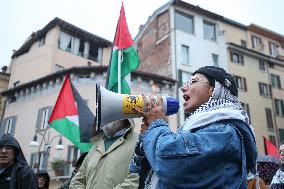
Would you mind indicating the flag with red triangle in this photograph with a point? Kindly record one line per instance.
(129, 57)
(270, 148)
(71, 117)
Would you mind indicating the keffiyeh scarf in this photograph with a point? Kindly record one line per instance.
(222, 105)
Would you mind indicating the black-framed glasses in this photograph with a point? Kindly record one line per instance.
(194, 79)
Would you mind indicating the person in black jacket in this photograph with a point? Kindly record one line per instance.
(15, 172)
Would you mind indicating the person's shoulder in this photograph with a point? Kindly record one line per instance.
(26, 170)
(219, 126)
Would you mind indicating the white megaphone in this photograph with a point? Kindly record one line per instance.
(111, 106)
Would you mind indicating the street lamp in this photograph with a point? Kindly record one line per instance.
(34, 143)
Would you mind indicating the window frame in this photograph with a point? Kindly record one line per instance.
(186, 16)
(237, 58)
(208, 23)
(42, 118)
(264, 89)
(241, 83)
(275, 81)
(187, 58)
(256, 40)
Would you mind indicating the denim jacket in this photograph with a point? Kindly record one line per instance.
(215, 156)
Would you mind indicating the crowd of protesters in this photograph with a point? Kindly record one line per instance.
(214, 148)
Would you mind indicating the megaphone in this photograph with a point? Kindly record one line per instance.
(111, 106)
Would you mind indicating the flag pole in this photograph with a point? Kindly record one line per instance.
(119, 72)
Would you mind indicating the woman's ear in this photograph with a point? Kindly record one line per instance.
(211, 91)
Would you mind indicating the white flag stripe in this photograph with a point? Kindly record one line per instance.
(74, 119)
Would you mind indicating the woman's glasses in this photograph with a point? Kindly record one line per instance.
(194, 79)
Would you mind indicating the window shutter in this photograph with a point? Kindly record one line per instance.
(49, 112)
(270, 90)
(279, 82)
(245, 84)
(259, 87)
(13, 126)
(39, 119)
(242, 59)
(282, 107)
(231, 55)
(3, 126)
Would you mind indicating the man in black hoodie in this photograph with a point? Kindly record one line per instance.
(15, 172)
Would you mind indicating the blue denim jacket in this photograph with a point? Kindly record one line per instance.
(214, 156)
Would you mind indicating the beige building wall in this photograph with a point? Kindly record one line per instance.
(41, 61)
(4, 82)
(233, 34)
(253, 74)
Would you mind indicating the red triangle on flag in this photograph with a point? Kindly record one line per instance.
(65, 104)
(122, 37)
(270, 148)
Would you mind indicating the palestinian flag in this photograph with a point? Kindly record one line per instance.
(129, 57)
(71, 117)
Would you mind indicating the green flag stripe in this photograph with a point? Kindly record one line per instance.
(68, 129)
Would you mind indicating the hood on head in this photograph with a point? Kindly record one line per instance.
(46, 175)
(9, 140)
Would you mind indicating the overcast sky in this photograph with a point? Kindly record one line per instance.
(19, 18)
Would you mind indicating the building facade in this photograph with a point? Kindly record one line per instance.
(178, 38)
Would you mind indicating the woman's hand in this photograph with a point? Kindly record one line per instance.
(154, 110)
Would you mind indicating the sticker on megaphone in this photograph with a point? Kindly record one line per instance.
(171, 104)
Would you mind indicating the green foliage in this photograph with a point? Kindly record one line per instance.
(58, 165)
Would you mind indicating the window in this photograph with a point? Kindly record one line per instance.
(183, 77)
(43, 160)
(281, 135)
(269, 120)
(273, 49)
(184, 54)
(42, 118)
(246, 108)
(262, 65)
(73, 154)
(237, 58)
(78, 46)
(241, 83)
(264, 89)
(279, 107)
(255, 41)
(209, 30)
(272, 139)
(215, 60)
(275, 81)
(41, 41)
(243, 43)
(184, 22)
(8, 125)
